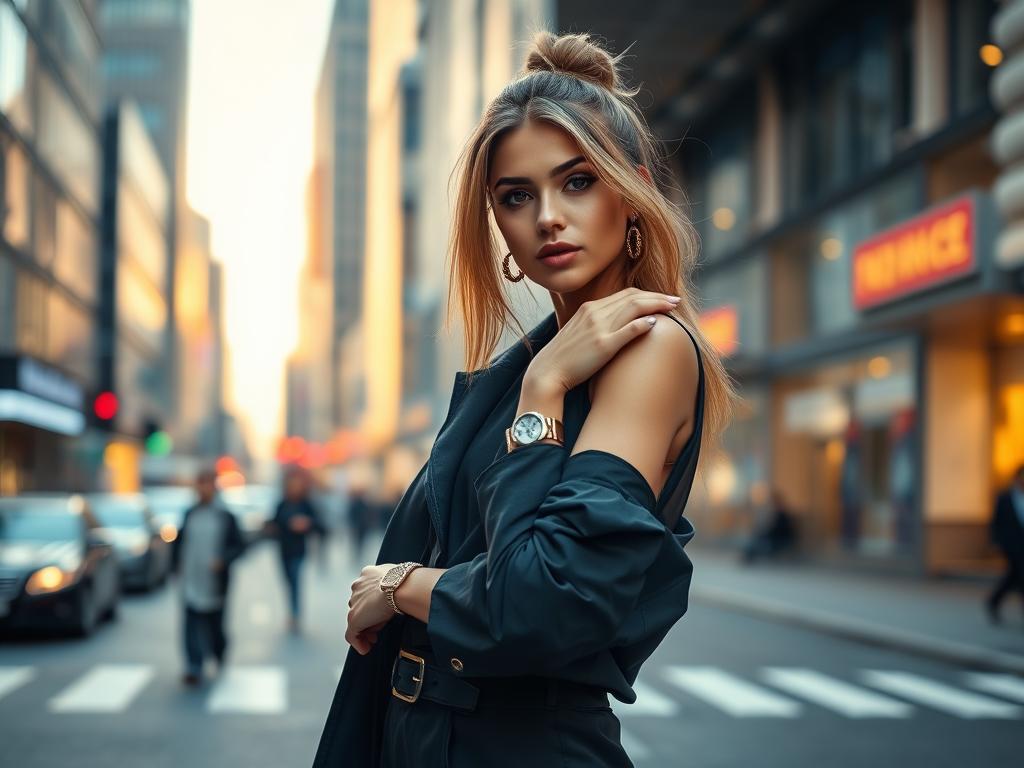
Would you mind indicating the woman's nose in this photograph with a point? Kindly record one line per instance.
(549, 215)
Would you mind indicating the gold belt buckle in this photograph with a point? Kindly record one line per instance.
(418, 680)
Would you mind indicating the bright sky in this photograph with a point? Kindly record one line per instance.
(253, 74)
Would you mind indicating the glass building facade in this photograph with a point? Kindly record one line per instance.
(50, 158)
(842, 188)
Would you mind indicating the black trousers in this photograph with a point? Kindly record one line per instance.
(204, 637)
(1012, 579)
(504, 730)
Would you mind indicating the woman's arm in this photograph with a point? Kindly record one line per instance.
(570, 538)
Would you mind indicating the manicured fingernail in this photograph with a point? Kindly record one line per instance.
(652, 319)
(673, 298)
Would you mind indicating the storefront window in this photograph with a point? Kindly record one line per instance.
(735, 489)
(845, 451)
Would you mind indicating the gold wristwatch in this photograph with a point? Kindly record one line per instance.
(532, 426)
(393, 580)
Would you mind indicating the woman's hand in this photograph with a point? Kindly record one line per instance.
(595, 334)
(368, 611)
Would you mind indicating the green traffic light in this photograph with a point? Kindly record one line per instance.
(159, 443)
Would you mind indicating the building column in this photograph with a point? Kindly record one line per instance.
(1007, 90)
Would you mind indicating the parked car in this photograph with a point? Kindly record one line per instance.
(252, 506)
(128, 524)
(56, 571)
(168, 504)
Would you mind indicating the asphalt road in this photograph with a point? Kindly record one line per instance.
(724, 689)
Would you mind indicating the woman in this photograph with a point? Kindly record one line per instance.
(536, 561)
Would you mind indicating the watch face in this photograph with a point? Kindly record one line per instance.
(528, 428)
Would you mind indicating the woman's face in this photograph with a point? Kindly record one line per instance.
(544, 191)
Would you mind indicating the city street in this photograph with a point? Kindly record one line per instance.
(724, 689)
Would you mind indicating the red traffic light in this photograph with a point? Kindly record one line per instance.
(105, 405)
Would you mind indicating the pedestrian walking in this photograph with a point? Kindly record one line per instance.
(208, 542)
(295, 520)
(537, 559)
(775, 536)
(1007, 532)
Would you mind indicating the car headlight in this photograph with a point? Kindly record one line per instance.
(49, 579)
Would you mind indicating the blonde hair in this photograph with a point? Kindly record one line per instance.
(571, 82)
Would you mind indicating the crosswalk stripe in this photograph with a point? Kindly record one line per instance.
(249, 690)
(12, 678)
(1007, 686)
(943, 697)
(635, 748)
(105, 688)
(650, 702)
(835, 694)
(734, 696)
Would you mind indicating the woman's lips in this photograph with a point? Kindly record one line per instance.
(561, 258)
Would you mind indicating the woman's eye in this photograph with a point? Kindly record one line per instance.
(585, 180)
(510, 199)
(576, 183)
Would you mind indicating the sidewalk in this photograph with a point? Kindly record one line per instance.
(940, 619)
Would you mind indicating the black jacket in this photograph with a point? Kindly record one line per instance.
(1006, 529)
(231, 548)
(580, 579)
(293, 544)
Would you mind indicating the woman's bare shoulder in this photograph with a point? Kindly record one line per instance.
(642, 397)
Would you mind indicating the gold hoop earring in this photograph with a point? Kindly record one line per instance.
(634, 241)
(508, 271)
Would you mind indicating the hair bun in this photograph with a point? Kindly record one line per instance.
(573, 54)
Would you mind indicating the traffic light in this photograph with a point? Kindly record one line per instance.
(157, 441)
(105, 406)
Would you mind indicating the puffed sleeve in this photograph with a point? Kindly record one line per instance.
(569, 541)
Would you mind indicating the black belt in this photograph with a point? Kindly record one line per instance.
(414, 676)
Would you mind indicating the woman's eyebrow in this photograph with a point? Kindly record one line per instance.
(554, 172)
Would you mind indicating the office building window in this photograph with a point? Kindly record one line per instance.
(846, 98)
(137, 12)
(135, 65)
(974, 53)
(68, 143)
(30, 314)
(718, 170)
(15, 64)
(75, 264)
(71, 342)
(16, 200)
(153, 117)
